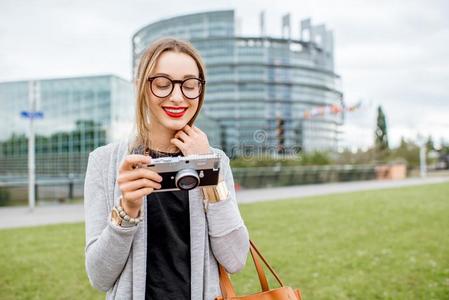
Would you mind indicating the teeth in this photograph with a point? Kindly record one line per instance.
(175, 111)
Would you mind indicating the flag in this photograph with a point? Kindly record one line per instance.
(330, 109)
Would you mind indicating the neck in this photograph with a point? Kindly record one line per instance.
(160, 137)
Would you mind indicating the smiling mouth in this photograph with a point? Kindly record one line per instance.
(175, 112)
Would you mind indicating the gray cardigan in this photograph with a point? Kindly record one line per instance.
(116, 257)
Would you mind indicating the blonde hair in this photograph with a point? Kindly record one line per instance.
(146, 66)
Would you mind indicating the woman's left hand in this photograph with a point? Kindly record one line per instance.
(191, 140)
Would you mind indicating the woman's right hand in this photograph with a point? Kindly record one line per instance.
(135, 183)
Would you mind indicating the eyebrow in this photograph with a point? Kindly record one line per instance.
(185, 76)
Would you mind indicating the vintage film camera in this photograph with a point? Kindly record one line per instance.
(186, 172)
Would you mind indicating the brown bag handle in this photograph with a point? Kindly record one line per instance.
(225, 283)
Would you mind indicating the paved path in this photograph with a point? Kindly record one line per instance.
(11, 217)
(299, 191)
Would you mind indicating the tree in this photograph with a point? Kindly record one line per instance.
(407, 151)
(430, 146)
(381, 134)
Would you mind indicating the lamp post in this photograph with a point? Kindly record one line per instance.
(422, 156)
(422, 161)
(31, 114)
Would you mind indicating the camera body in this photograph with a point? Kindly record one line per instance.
(186, 172)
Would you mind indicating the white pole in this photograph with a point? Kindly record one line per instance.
(422, 160)
(31, 166)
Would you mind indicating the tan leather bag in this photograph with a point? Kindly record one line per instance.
(281, 293)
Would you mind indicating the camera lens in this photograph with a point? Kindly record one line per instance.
(187, 179)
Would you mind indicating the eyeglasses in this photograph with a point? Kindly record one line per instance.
(162, 86)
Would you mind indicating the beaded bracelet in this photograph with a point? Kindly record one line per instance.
(127, 218)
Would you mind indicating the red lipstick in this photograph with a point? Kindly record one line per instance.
(174, 112)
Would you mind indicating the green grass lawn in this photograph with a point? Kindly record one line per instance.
(386, 244)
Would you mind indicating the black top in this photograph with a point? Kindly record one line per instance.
(168, 243)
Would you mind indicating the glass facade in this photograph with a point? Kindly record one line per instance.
(258, 88)
(80, 114)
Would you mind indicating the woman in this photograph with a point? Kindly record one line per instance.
(166, 245)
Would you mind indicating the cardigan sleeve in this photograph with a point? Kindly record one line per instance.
(107, 245)
(228, 234)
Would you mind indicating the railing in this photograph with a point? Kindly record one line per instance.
(259, 177)
(14, 190)
(62, 188)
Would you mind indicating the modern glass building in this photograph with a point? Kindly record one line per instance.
(259, 87)
(79, 114)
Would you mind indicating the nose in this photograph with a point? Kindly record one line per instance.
(177, 95)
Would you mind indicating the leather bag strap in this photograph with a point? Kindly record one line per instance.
(226, 286)
(260, 272)
(266, 263)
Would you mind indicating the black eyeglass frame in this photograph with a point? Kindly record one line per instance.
(173, 82)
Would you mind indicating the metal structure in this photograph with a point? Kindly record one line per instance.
(254, 80)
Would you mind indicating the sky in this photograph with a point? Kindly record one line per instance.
(388, 53)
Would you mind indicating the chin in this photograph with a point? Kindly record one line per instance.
(175, 124)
